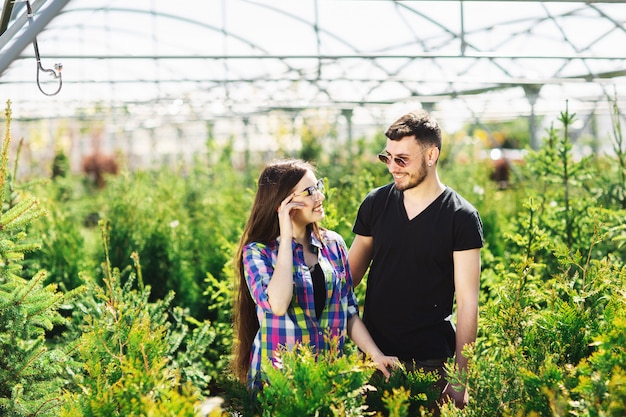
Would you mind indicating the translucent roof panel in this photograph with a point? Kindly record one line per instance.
(240, 58)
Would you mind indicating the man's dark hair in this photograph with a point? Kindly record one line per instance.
(418, 123)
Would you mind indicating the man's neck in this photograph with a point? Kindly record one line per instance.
(429, 189)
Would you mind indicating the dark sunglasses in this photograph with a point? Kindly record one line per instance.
(312, 189)
(386, 158)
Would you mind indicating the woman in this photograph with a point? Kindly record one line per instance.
(294, 283)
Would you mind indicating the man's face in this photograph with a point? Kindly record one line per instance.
(407, 162)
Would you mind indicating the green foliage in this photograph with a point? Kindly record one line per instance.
(397, 402)
(32, 373)
(613, 176)
(326, 384)
(151, 221)
(539, 329)
(219, 294)
(334, 383)
(601, 380)
(125, 350)
(505, 134)
(182, 227)
(60, 165)
(553, 166)
(63, 252)
(405, 393)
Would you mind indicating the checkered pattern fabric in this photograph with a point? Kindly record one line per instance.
(299, 325)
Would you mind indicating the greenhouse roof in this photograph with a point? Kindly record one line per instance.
(238, 59)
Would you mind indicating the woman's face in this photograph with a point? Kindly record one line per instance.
(311, 195)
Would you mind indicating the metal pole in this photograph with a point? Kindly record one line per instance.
(20, 34)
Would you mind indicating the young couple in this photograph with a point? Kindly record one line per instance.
(419, 239)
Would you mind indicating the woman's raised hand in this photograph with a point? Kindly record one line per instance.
(285, 213)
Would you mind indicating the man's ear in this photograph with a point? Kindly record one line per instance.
(433, 155)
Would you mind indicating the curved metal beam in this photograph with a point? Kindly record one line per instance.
(22, 32)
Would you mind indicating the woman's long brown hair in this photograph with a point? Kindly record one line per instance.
(275, 183)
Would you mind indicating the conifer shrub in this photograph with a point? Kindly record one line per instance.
(185, 229)
(64, 252)
(32, 372)
(539, 334)
(333, 383)
(326, 384)
(404, 393)
(128, 351)
(69, 245)
(151, 221)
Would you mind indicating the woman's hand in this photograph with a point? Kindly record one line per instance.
(384, 363)
(362, 338)
(285, 213)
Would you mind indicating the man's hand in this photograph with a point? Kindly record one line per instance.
(459, 398)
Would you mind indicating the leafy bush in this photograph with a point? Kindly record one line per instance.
(405, 393)
(32, 373)
(126, 351)
(326, 384)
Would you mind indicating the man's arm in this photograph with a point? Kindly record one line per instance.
(360, 256)
(467, 288)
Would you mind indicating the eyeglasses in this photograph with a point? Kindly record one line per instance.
(319, 186)
(386, 158)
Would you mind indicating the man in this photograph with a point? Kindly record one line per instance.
(421, 241)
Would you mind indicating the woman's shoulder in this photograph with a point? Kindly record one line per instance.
(259, 246)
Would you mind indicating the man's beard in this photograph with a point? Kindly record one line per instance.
(415, 180)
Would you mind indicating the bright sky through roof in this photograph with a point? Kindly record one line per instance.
(239, 58)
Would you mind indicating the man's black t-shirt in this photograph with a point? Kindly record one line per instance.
(410, 287)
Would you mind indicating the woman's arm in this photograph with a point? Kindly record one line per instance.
(362, 338)
(280, 287)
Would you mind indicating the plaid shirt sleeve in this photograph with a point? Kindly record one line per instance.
(258, 270)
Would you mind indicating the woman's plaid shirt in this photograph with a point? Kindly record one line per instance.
(299, 325)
